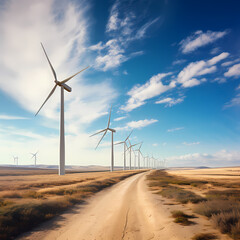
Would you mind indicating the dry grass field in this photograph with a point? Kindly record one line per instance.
(31, 196)
(212, 193)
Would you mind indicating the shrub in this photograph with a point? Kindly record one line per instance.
(225, 221)
(204, 236)
(212, 207)
(182, 218)
(182, 196)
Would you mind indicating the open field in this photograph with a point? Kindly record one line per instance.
(212, 193)
(29, 199)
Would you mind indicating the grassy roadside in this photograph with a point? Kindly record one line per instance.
(222, 207)
(21, 211)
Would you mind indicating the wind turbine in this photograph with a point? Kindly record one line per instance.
(105, 131)
(15, 160)
(34, 155)
(124, 150)
(139, 152)
(63, 86)
(130, 152)
(135, 157)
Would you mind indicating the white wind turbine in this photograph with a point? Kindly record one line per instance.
(124, 150)
(34, 155)
(130, 153)
(63, 86)
(135, 158)
(139, 152)
(15, 159)
(105, 131)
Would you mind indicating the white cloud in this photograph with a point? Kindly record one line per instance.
(218, 159)
(122, 30)
(9, 117)
(152, 88)
(233, 71)
(190, 143)
(187, 77)
(178, 62)
(234, 102)
(199, 39)
(142, 31)
(228, 63)
(218, 58)
(175, 129)
(137, 124)
(155, 144)
(119, 118)
(215, 50)
(219, 80)
(169, 102)
(113, 21)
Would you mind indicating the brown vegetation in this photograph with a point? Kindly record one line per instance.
(221, 204)
(204, 236)
(182, 218)
(31, 203)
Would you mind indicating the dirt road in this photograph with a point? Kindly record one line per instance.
(127, 210)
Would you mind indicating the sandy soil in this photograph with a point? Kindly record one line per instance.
(127, 210)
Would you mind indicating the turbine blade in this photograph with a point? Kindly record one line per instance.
(101, 139)
(109, 117)
(50, 94)
(98, 132)
(128, 136)
(53, 71)
(67, 79)
(118, 143)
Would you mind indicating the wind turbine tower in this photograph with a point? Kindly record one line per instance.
(105, 131)
(62, 84)
(130, 152)
(34, 155)
(139, 152)
(124, 150)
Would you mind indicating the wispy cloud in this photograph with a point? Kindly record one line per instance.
(169, 102)
(188, 76)
(228, 63)
(233, 71)
(137, 124)
(9, 117)
(122, 29)
(190, 143)
(175, 129)
(179, 61)
(152, 88)
(119, 118)
(200, 39)
(234, 102)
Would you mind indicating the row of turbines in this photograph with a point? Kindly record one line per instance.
(147, 162)
(34, 156)
(150, 162)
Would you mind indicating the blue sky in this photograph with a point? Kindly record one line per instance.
(170, 69)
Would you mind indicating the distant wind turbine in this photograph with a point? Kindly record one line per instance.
(34, 155)
(63, 86)
(105, 131)
(15, 159)
(139, 152)
(130, 153)
(124, 150)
